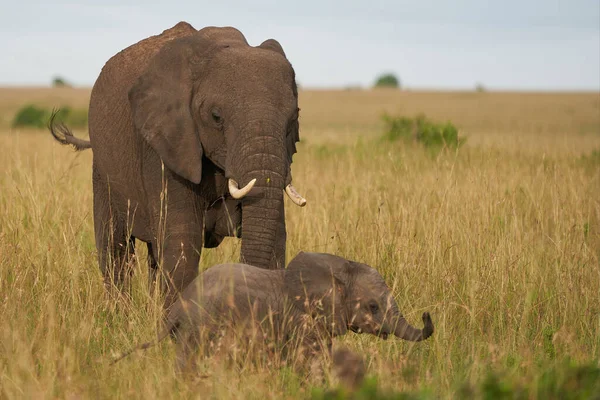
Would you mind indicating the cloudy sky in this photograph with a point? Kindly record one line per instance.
(508, 44)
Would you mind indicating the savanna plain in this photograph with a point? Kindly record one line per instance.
(499, 240)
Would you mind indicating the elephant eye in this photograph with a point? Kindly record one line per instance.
(373, 308)
(217, 117)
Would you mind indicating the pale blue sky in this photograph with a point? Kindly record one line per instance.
(509, 44)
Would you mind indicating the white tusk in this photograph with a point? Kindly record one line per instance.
(238, 193)
(295, 196)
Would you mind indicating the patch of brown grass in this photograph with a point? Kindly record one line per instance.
(500, 241)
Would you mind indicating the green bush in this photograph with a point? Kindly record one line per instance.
(369, 390)
(563, 380)
(31, 116)
(387, 80)
(431, 134)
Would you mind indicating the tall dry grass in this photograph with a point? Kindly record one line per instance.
(499, 240)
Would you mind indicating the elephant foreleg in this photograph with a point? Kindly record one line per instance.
(179, 261)
(179, 239)
(222, 218)
(152, 269)
(313, 349)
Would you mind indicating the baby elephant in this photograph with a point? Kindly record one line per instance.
(298, 310)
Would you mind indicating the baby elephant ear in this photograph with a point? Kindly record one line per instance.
(315, 284)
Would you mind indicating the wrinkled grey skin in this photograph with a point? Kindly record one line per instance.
(210, 107)
(339, 294)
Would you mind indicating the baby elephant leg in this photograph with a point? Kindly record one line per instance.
(311, 353)
(348, 368)
(187, 353)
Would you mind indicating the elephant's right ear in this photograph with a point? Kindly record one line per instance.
(317, 283)
(160, 104)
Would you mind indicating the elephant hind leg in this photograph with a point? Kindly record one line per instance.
(116, 254)
(114, 243)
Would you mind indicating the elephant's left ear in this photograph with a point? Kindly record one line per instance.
(293, 130)
(314, 284)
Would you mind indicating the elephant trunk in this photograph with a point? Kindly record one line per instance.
(262, 167)
(405, 331)
(263, 230)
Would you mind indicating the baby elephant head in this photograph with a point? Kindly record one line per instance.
(349, 295)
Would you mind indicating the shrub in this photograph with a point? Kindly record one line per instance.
(369, 390)
(37, 117)
(398, 128)
(420, 129)
(387, 80)
(31, 116)
(562, 380)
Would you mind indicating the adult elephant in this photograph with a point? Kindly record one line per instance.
(176, 121)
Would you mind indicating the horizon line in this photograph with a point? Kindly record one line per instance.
(357, 88)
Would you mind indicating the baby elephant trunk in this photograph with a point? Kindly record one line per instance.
(407, 332)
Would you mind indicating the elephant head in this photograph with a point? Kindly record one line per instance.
(211, 96)
(350, 295)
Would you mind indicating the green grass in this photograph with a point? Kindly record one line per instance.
(498, 239)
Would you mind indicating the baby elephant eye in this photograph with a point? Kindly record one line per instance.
(374, 308)
(217, 117)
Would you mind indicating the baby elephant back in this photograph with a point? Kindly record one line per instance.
(240, 291)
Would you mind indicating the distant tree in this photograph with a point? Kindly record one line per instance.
(387, 80)
(480, 88)
(59, 81)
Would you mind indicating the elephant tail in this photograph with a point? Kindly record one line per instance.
(63, 134)
(128, 352)
(163, 334)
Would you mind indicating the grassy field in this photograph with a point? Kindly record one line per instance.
(499, 240)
